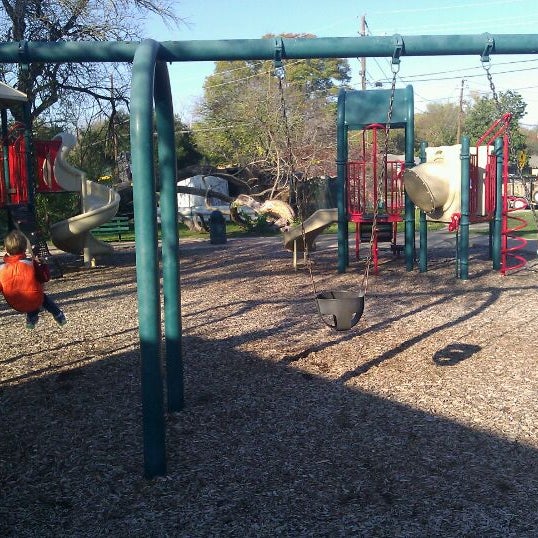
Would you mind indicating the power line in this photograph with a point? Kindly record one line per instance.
(412, 78)
(437, 7)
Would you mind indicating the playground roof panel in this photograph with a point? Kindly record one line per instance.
(10, 96)
(361, 108)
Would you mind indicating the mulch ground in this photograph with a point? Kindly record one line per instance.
(420, 421)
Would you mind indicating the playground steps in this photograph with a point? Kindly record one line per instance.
(384, 232)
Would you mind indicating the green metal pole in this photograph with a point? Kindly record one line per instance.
(423, 224)
(170, 238)
(147, 263)
(496, 232)
(410, 162)
(463, 254)
(341, 160)
(264, 49)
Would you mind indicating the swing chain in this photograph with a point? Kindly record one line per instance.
(299, 200)
(487, 66)
(280, 75)
(383, 176)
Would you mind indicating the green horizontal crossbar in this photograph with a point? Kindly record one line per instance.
(264, 49)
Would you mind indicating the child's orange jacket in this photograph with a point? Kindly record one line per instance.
(20, 283)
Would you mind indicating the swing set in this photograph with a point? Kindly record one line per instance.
(151, 108)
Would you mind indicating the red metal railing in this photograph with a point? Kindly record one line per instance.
(45, 152)
(508, 251)
(18, 176)
(485, 186)
(3, 193)
(366, 188)
(370, 187)
(510, 242)
(14, 190)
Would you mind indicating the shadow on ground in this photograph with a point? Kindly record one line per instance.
(253, 454)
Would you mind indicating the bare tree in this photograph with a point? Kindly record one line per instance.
(54, 87)
(278, 130)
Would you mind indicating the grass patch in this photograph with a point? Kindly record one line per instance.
(232, 230)
(529, 231)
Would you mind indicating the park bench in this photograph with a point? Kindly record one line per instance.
(115, 226)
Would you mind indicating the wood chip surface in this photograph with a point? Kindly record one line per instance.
(420, 421)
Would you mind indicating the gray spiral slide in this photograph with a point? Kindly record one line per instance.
(100, 204)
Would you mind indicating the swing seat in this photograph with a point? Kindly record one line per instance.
(345, 307)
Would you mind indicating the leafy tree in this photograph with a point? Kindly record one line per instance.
(53, 207)
(187, 152)
(485, 111)
(531, 140)
(275, 127)
(100, 144)
(438, 125)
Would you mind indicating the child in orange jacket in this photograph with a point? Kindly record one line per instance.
(21, 282)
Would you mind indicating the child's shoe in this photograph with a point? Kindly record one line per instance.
(60, 319)
(30, 325)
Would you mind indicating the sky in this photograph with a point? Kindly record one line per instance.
(437, 79)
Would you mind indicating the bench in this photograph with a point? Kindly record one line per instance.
(115, 226)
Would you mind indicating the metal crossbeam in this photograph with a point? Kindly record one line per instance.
(264, 49)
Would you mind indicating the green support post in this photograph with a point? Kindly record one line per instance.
(170, 238)
(24, 69)
(423, 224)
(341, 197)
(409, 234)
(496, 231)
(409, 210)
(147, 262)
(462, 253)
(423, 249)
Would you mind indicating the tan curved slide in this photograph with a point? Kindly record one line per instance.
(435, 185)
(100, 204)
(313, 226)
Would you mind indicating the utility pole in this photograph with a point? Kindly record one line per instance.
(363, 59)
(460, 112)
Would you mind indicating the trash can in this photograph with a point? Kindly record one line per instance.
(217, 228)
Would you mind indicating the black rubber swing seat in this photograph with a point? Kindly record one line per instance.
(345, 307)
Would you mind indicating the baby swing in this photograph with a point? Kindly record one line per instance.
(342, 309)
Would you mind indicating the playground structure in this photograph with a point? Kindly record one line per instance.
(99, 204)
(151, 100)
(445, 187)
(370, 191)
(367, 182)
(54, 174)
(462, 185)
